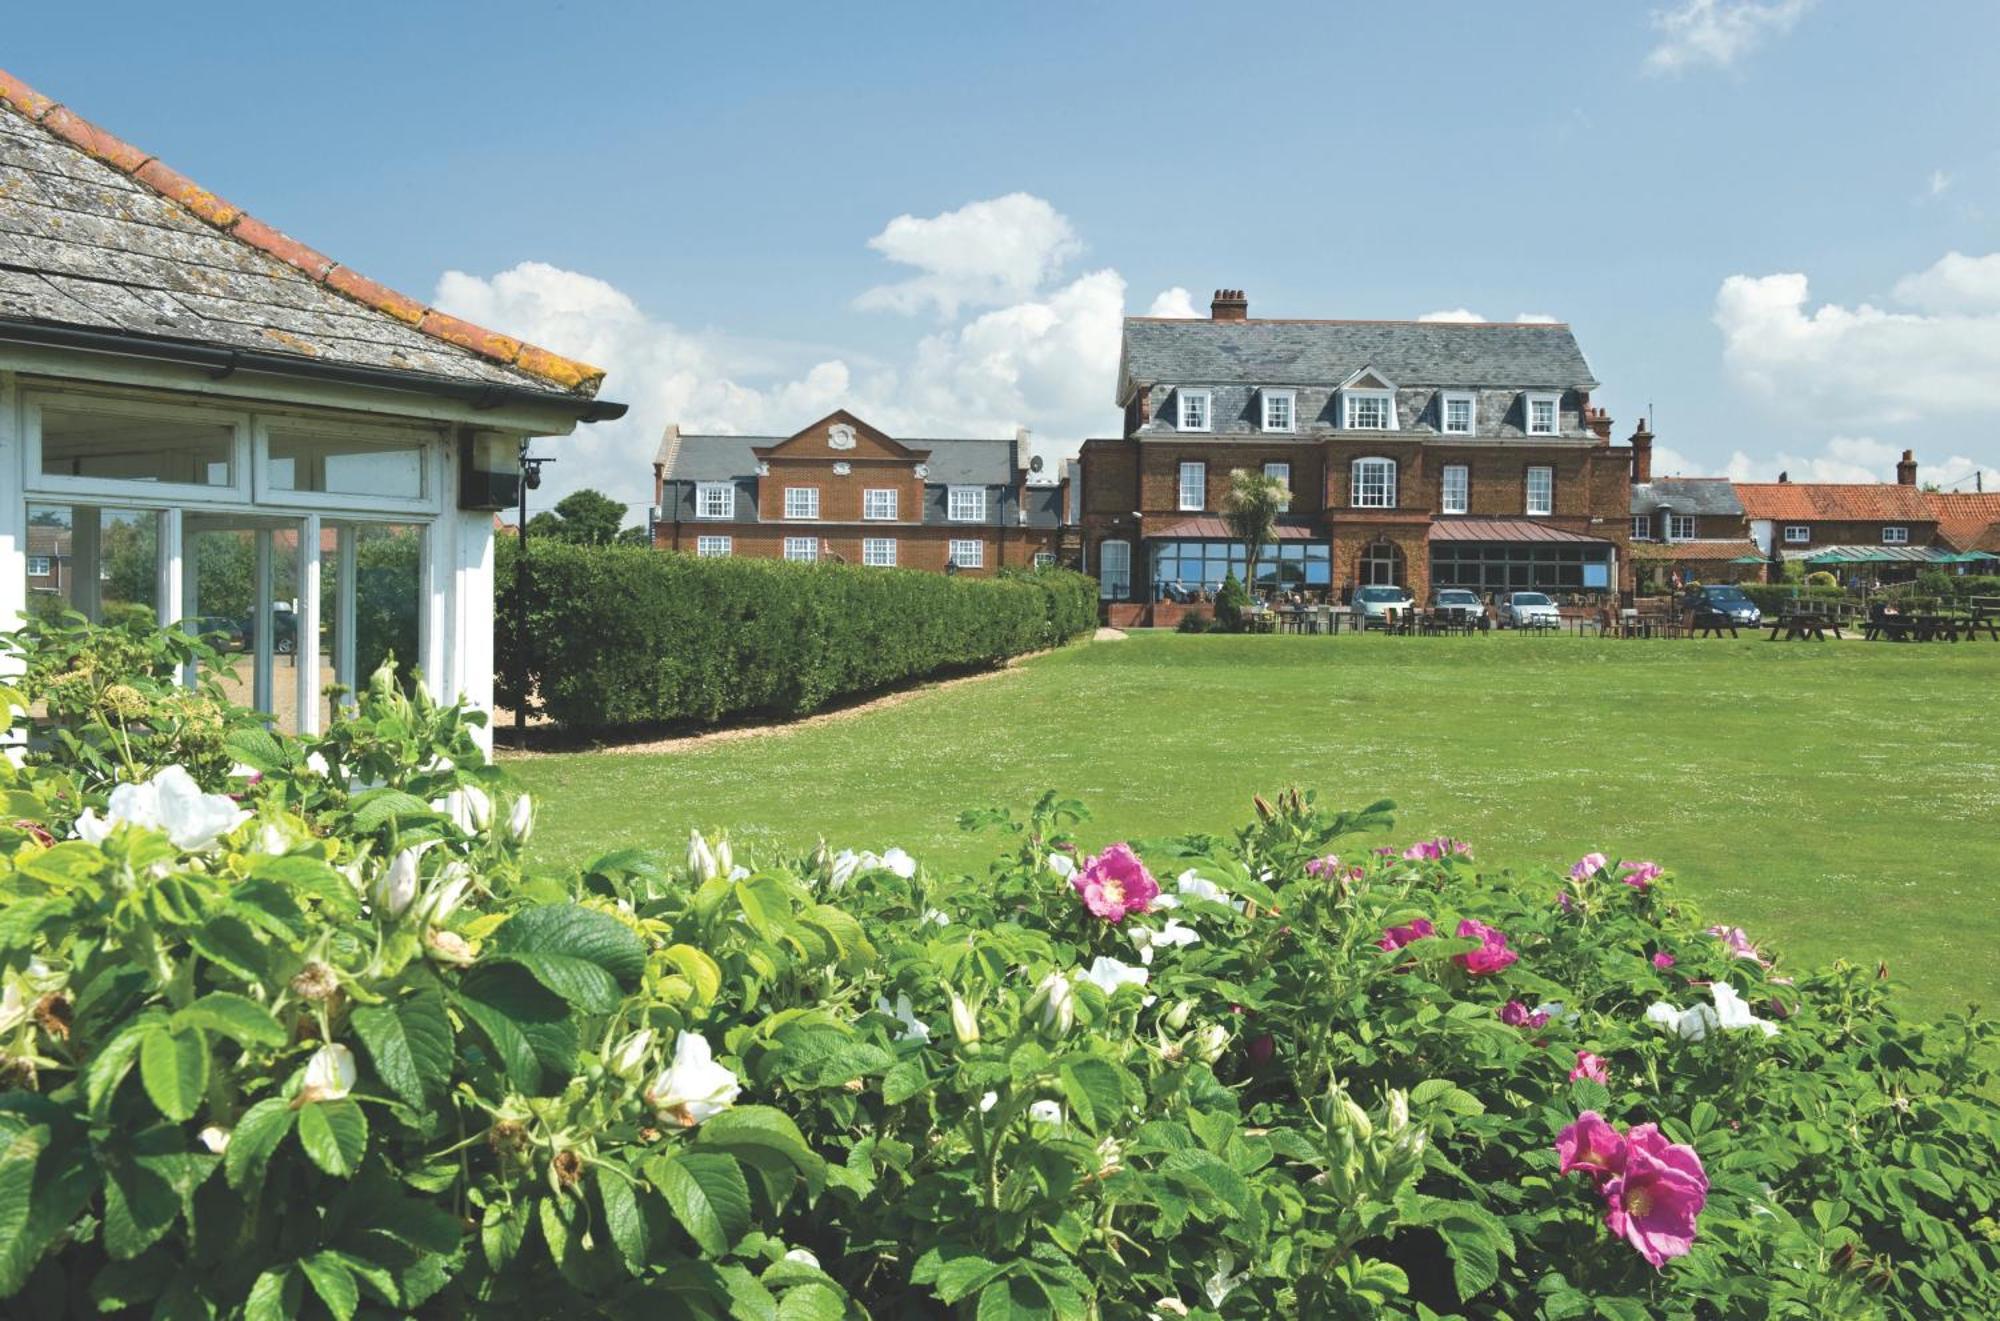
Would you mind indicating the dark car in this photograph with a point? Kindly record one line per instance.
(1725, 599)
(284, 632)
(219, 631)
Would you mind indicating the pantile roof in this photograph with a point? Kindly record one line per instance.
(1686, 495)
(1847, 502)
(1281, 352)
(1969, 520)
(100, 235)
(1506, 529)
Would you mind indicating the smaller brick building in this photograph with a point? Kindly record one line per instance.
(845, 491)
(1690, 528)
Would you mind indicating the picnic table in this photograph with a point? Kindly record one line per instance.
(1713, 624)
(1802, 625)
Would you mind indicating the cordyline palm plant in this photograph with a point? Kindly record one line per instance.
(1251, 507)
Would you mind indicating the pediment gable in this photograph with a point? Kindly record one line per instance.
(841, 435)
(1368, 379)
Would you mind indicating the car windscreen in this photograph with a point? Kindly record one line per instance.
(1531, 598)
(1381, 594)
(1726, 595)
(1457, 598)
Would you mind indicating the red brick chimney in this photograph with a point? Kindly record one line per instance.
(1599, 423)
(1906, 471)
(1229, 305)
(1642, 452)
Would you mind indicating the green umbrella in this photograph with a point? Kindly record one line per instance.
(1748, 559)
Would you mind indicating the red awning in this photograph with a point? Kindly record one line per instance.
(1506, 529)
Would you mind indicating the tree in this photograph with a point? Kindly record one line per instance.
(1251, 507)
(584, 518)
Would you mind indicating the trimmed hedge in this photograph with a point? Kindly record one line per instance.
(1772, 596)
(623, 636)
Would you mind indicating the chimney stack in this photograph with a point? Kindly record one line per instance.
(1599, 423)
(1642, 451)
(1229, 305)
(1022, 449)
(1784, 477)
(1906, 471)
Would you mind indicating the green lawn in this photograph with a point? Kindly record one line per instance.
(1837, 798)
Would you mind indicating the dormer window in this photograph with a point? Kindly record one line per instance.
(1458, 412)
(1543, 413)
(1368, 402)
(1279, 410)
(1195, 414)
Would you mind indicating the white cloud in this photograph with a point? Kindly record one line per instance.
(1955, 284)
(1452, 314)
(1717, 33)
(984, 254)
(1536, 319)
(1940, 183)
(1175, 302)
(1864, 364)
(1856, 459)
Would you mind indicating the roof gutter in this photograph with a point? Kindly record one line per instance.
(221, 362)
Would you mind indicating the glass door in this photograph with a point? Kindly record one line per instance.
(240, 589)
(371, 597)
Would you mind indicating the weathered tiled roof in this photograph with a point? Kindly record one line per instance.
(1274, 352)
(1969, 520)
(1686, 495)
(98, 234)
(1846, 502)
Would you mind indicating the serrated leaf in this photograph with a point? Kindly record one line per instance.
(905, 1080)
(111, 1063)
(275, 1296)
(230, 942)
(375, 808)
(530, 1027)
(256, 1135)
(578, 981)
(502, 1232)
(140, 1206)
(707, 1194)
(256, 749)
(961, 1277)
(575, 932)
(1095, 1091)
(409, 1043)
(333, 1282)
(811, 1302)
(624, 1217)
(1012, 1299)
(761, 1128)
(334, 1135)
(237, 1017)
(173, 1065)
(701, 971)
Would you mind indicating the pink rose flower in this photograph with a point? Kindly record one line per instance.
(1590, 1145)
(1654, 1199)
(1563, 901)
(1492, 954)
(1396, 937)
(1433, 850)
(1323, 869)
(1588, 866)
(1514, 1014)
(1115, 884)
(1640, 874)
(1663, 960)
(1591, 1067)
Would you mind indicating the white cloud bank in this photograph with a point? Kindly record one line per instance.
(1043, 354)
(1466, 316)
(1716, 34)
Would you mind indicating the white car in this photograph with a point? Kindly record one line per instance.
(1373, 604)
(1530, 610)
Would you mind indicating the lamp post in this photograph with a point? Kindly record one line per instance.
(531, 478)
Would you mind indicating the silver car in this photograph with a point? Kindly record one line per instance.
(1373, 604)
(1530, 610)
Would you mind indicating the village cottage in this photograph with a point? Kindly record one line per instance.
(203, 420)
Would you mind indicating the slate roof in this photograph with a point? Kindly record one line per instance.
(1969, 520)
(1686, 495)
(98, 234)
(1506, 529)
(1847, 502)
(953, 460)
(1282, 352)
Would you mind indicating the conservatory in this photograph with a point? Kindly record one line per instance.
(206, 424)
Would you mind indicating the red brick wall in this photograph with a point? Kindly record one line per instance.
(1830, 533)
(917, 547)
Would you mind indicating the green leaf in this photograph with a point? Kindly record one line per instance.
(256, 1135)
(111, 1063)
(624, 1217)
(530, 1028)
(334, 1135)
(701, 971)
(256, 749)
(140, 1206)
(409, 1043)
(502, 1232)
(230, 942)
(708, 1196)
(62, 1177)
(237, 1017)
(173, 1065)
(377, 807)
(275, 1297)
(571, 931)
(760, 1128)
(964, 1276)
(904, 1081)
(1095, 1091)
(333, 1282)
(811, 1302)
(1012, 1299)
(578, 981)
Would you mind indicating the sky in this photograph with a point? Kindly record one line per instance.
(1774, 224)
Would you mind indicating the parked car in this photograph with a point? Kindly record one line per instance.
(284, 632)
(219, 631)
(1459, 603)
(1725, 599)
(1529, 610)
(1373, 604)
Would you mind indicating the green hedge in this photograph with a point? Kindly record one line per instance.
(1770, 596)
(621, 636)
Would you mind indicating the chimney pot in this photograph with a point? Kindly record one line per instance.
(1906, 471)
(1229, 305)
(1642, 451)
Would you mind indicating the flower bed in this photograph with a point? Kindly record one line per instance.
(302, 1035)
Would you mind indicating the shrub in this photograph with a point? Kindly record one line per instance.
(1774, 596)
(1195, 621)
(629, 636)
(1821, 579)
(1229, 603)
(327, 1046)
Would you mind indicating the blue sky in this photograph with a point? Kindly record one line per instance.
(1747, 208)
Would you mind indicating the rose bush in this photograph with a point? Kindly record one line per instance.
(293, 1030)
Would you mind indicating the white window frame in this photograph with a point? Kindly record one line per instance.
(714, 548)
(1798, 534)
(1182, 409)
(703, 490)
(1351, 396)
(1290, 399)
(121, 490)
(263, 493)
(967, 553)
(1548, 502)
(1895, 535)
(812, 514)
(1199, 471)
(802, 550)
(1105, 585)
(1642, 527)
(1355, 490)
(46, 561)
(1471, 402)
(869, 501)
(1045, 559)
(953, 495)
(1680, 527)
(878, 552)
(1533, 397)
(1447, 505)
(1281, 471)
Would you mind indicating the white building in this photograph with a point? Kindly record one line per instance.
(234, 429)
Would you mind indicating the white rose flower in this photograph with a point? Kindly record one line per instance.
(845, 864)
(1046, 1112)
(215, 1139)
(521, 821)
(1733, 1012)
(725, 857)
(694, 1087)
(629, 1055)
(396, 887)
(988, 1101)
(964, 1022)
(899, 862)
(471, 809)
(446, 894)
(1108, 974)
(318, 765)
(1056, 998)
(330, 1074)
(172, 802)
(914, 1028)
(449, 947)
(802, 1257)
(1062, 865)
(701, 859)
(1173, 935)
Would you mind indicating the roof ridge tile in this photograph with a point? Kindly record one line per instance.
(135, 163)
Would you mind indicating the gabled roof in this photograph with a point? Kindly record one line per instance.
(1686, 495)
(98, 235)
(1845, 502)
(1969, 520)
(1170, 351)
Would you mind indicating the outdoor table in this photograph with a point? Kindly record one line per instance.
(1711, 624)
(1800, 627)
